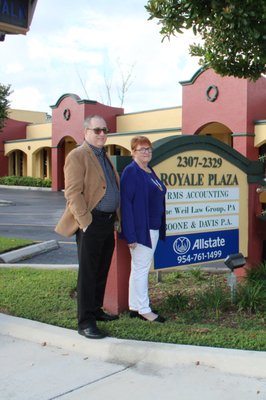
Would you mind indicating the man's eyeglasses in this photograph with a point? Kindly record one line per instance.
(144, 150)
(97, 131)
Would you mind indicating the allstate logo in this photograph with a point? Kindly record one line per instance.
(181, 245)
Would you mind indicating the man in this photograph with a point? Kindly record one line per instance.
(92, 196)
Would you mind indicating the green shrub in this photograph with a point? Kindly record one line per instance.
(214, 298)
(25, 181)
(251, 293)
(175, 302)
(251, 297)
(172, 277)
(197, 273)
(257, 274)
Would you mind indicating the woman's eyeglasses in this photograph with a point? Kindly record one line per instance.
(97, 131)
(144, 150)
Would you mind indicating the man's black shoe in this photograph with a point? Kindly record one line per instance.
(92, 332)
(100, 315)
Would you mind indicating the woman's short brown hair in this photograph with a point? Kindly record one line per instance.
(142, 140)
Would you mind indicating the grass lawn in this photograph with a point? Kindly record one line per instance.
(197, 306)
(8, 244)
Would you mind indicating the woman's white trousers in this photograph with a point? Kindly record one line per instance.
(141, 259)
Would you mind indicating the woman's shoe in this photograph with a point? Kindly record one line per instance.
(159, 318)
(133, 314)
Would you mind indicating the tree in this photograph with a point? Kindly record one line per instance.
(4, 104)
(126, 78)
(233, 32)
(126, 82)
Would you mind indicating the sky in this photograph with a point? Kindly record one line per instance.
(87, 46)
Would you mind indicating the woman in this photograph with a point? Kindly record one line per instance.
(143, 223)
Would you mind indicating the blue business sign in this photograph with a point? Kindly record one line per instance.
(15, 16)
(14, 12)
(196, 248)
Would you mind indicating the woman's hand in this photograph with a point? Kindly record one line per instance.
(132, 246)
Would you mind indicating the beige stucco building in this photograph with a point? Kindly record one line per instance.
(230, 109)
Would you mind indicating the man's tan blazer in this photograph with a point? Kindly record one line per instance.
(85, 186)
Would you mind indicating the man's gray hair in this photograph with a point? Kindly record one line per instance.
(88, 119)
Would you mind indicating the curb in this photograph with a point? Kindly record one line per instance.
(131, 352)
(28, 251)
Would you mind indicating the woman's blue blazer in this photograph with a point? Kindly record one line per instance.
(134, 206)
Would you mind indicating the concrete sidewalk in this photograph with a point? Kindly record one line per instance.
(40, 361)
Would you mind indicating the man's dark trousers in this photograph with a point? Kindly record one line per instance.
(95, 250)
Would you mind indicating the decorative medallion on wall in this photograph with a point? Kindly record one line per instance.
(67, 114)
(212, 93)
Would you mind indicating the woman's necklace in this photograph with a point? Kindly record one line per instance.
(154, 180)
(157, 183)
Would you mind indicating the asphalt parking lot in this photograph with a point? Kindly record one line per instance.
(33, 214)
